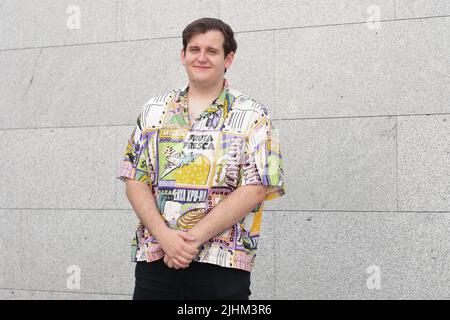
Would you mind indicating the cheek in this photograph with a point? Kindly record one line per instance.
(217, 61)
(189, 58)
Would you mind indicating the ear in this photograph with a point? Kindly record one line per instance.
(229, 59)
(182, 57)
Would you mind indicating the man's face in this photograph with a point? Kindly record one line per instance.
(204, 59)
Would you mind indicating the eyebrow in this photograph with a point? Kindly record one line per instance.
(208, 48)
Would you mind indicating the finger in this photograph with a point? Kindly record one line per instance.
(181, 260)
(184, 262)
(177, 260)
(188, 246)
(184, 257)
(178, 265)
(167, 260)
(185, 251)
(186, 236)
(182, 266)
(190, 249)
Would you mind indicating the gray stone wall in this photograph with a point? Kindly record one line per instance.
(358, 89)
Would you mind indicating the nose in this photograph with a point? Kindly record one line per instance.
(202, 56)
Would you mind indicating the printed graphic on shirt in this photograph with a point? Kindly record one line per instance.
(247, 242)
(181, 196)
(197, 170)
(171, 156)
(152, 114)
(137, 154)
(226, 240)
(216, 195)
(184, 157)
(193, 169)
(217, 254)
(189, 218)
(239, 119)
(174, 115)
(263, 163)
(229, 160)
(209, 119)
(152, 165)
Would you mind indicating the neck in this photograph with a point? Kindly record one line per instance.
(200, 91)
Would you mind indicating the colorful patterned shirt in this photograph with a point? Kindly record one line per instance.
(190, 169)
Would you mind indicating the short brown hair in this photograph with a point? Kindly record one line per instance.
(206, 24)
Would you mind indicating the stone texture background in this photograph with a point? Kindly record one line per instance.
(363, 110)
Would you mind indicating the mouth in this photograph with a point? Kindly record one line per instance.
(202, 68)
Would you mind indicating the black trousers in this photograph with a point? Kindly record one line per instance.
(200, 281)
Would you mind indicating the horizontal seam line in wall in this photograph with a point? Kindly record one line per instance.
(273, 119)
(358, 117)
(341, 24)
(75, 292)
(237, 32)
(265, 210)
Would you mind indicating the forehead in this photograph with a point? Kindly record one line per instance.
(211, 38)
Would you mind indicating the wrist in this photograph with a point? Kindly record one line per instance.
(159, 230)
(198, 239)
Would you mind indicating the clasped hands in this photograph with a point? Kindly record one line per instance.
(180, 248)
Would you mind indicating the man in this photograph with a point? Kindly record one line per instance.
(198, 166)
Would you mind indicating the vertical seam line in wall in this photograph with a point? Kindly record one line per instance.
(21, 244)
(167, 63)
(22, 88)
(273, 72)
(115, 161)
(116, 9)
(396, 157)
(275, 257)
(395, 9)
(396, 149)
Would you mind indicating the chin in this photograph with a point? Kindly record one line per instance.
(201, 77)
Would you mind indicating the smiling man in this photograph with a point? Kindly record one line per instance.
(198, 167)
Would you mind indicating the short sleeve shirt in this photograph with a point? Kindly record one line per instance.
(191, 167)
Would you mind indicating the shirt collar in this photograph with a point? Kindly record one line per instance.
(219, 101)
